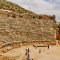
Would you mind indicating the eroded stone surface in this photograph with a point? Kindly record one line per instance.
(26, 27)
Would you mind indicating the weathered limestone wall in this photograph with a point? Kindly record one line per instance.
(26, 27)
(58, 33)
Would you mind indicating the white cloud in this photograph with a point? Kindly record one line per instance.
(50, 7)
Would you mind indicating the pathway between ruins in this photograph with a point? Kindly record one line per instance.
(46, 54)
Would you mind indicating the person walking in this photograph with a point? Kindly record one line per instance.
(28, 50)
(39, 50)
(48, 46)
(28, 57)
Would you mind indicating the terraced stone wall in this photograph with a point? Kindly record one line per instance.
(26, 27)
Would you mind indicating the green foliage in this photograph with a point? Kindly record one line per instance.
(58, 24)
(11, 6)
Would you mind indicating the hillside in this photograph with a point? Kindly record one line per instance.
(23, 26)
(26, 27)
(12, 7)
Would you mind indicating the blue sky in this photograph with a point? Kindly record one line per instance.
(49, 7)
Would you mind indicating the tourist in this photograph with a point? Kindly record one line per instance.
(48, 46)
(26, 52)
(28, 57)
(39, 50)
(28, 49)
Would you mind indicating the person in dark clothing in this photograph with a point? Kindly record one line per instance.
(28, 49)
(48, 46)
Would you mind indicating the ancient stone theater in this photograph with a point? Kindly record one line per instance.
(26, 27)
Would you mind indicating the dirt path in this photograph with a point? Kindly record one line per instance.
(52, 54)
